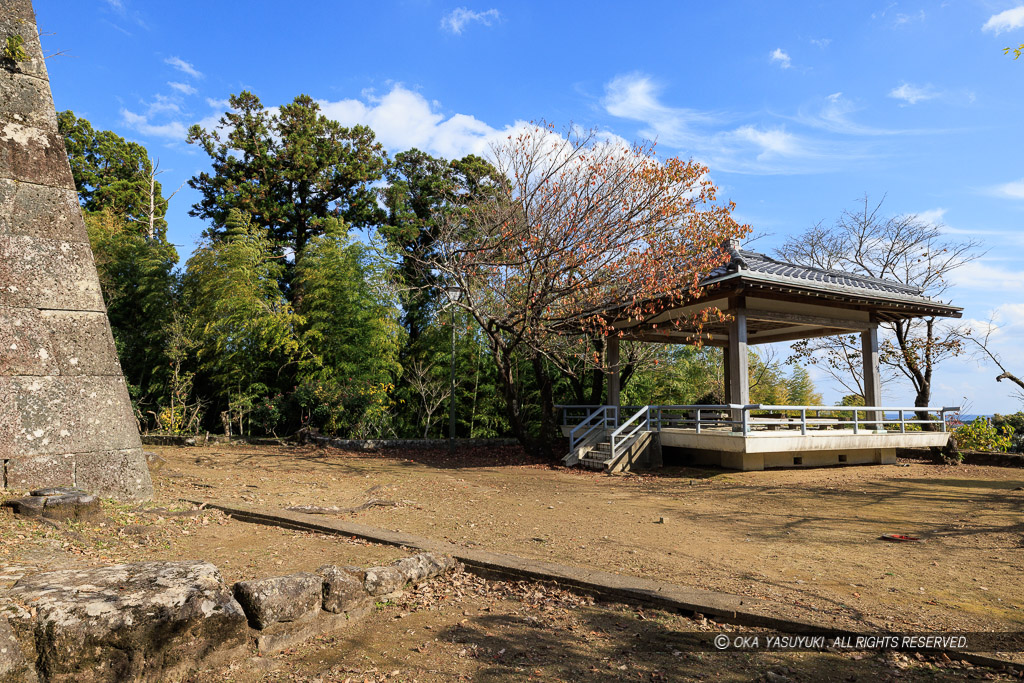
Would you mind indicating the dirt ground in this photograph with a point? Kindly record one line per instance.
(464, 628)
(805, 540)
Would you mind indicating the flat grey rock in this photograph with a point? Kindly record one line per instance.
(144, 621)
(423, 566)
(282, 598)
(383, 580)
(342, 592)
(59, 491)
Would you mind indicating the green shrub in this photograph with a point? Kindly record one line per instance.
(1015, 422)
(982, 435)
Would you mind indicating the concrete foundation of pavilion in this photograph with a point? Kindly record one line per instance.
(780, 449)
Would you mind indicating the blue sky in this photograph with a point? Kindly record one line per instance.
(799, 109)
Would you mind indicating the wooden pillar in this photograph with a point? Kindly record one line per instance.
(725, 372)
(739, 376)
(612, 360)
(872, 375)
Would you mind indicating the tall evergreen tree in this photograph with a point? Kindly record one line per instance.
(115, 175)
(288, 170)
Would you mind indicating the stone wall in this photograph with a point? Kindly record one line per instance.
(65, 414)
(161, 621)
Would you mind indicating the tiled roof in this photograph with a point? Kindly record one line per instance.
(760, 267)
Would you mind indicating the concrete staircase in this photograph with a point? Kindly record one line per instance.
(642, 453)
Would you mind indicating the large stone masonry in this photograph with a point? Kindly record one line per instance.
(65, 414)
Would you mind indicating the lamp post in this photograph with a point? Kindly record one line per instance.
(454, 293)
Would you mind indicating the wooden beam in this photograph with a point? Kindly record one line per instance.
(793, 336)
(812, 320)
(655, 338)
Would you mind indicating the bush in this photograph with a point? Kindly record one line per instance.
(982, 435)
(1016, 423)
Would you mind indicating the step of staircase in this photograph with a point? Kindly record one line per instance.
(598, 457)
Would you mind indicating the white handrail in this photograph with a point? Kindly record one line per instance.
(861, 418)
(620, 441)
(574, 440)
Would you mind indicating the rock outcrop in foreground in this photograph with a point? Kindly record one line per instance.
(152, 620)
(163, 621)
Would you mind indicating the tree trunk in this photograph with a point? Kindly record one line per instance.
(548, 426)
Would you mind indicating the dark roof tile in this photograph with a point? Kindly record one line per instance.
(758, 264)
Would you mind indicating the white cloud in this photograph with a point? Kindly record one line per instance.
(912, 94)
(821, 42)
(747, 148)
(183, 66)
(779, 55)
(932, 216)
(403, 119)
(1011, 190)
(1006, 20)
(457, 20)
(162, 104)
(834, 116)
(183, 88)
(981, 275)
(141, 123)
(902, 19)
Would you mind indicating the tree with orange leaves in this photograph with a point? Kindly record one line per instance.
(578, 224)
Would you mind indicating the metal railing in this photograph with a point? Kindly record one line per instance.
(623, 438)
(847, 417)
(744, 419)
(593, 426)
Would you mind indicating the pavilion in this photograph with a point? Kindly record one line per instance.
(766, 301)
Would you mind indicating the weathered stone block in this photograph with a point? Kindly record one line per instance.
(61, 389)
(423, 566)
(34, 155)
(50, 415)
(17, 655)
(74, 506)
(27, 102)
(119, 474)
(42, 343)
(145, 621)
(82, 343)
(383, 580)
(24, 473)
(25, 343)
(40, 211)
(29, 506)
(342, 592)
(55, 274)
(57, 491)
(19, 19)
(282, 598)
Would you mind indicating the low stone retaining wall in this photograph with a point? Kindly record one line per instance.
(425, 444)
(163, 620)
(346, 444)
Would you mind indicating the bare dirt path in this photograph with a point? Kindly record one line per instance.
(807, 540)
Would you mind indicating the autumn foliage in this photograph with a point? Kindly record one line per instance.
(579, 224)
